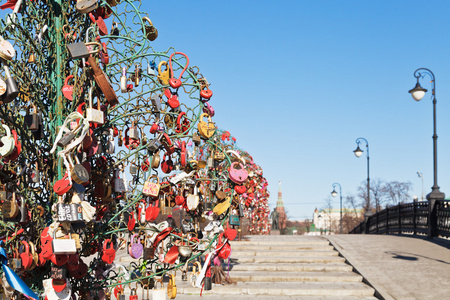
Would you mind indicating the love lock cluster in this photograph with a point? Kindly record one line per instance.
(107, 165)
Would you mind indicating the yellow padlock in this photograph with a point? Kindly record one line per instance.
(163, 76)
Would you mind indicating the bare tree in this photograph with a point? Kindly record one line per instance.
(397, 192)
(350, 200)
(366, 204)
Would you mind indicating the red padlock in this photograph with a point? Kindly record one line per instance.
(80, 272)
(25, 256)
(206, 94)
(183, 155)
(63, 185)
(167, 165)
(240, 189)
(176, 82)
(104, 57)
(182, 126)
(68, 89)
(131, 222)
(102, 29)
(167, 143)
(154, 128)
(108, 252)
(172, 98)
(46, 244)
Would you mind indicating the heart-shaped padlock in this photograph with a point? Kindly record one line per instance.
(135, 249)
(176, 82)
(237, 173)
(240, 189)
(80, 272)
(206, 94)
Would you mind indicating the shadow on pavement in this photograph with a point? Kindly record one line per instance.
(412, 256)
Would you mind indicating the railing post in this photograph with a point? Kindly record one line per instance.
(399, 219)
(387, 220)
(376, 216)
(414, 217)
(432, 218)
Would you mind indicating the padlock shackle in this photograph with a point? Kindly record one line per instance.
(170, 64)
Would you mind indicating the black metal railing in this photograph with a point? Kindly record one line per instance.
(418, 218)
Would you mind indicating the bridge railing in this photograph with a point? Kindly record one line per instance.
(430, 218)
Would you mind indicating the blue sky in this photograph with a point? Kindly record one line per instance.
(296, 82)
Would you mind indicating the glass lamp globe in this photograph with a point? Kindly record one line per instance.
(334, 193)
(417, 92)
(358, 152)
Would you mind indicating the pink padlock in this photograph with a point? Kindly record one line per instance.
(208, 109)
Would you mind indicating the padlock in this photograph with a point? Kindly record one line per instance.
(80, 50)
(23, 211)
(8, 142)
(58, 272)
(32, 119)
(163, 76)
(32, 58)
(86, 6)
(114, 31)
(78, 172)
(156, 103)
(154, 144)
(108, 253)
(137, 75)
(151, 66)
(7, 51)
(94, 115)
(14, 262)
(2, 192)
(123, 80)
(172, 99)
(206, 130)
(10, 209)
(63, 246)
(176, 82)
(67, 89)
(69, 136)
(149, 249)
(210, 162)
(151, 188)
(120, 183)
(11, 87)
(133, 169)
(133, 295)
(133, 133)
(196, 139)
(120, 139)
(150, 31)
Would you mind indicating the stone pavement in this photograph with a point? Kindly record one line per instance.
(399, 267)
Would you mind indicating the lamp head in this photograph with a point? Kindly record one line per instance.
(334, 193)
(358, 152)
(417, 92)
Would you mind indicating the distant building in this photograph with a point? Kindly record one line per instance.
(280, 209)
(327, 221)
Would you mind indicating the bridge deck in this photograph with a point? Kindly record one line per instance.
(399, 267)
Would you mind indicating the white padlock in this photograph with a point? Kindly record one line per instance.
(94, 115)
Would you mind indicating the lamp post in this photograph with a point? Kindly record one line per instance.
(334, 193)
(421, 176)
(418, 93)
(358, 152)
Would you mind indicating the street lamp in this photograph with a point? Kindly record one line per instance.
(421, 176)
(334, 194)
(358, 152)
(418, 93)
